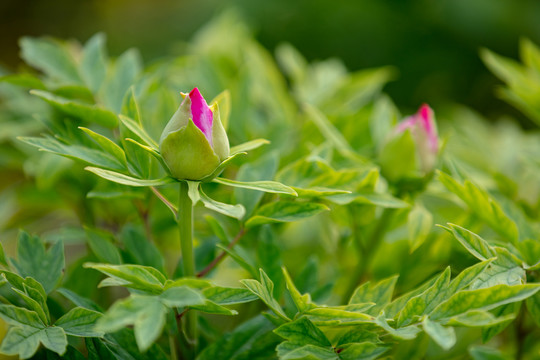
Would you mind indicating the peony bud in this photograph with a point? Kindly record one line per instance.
(194, 142)
(412, 148)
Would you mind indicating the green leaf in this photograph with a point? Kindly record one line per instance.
(228, 296)
(379, 293)
(262, 169)
(264, 291)
(483, 206)
(128, 180)
(505, 269)
(107, 145)
(482, 299)
(419, 224)
(466, 277)
(382, 121)
(487, 353)
(474, 244)
(23, 80)
(91, 156)
(235, 211)
(285, 211)
(139, 131)
(102, 245)
(302, 331)
(247, 146)
(39, 307)
(2, 256)
(146, 313)
(182, 296)
(445, 337)
(51, 57)
(425, 302)
(340, 315)
(18, 316)
(265, 186)
(120, 78)
(405, 333)
(141, 250)
(134, 276)
(24, 341)
(292, 351)
(80, 322)
(478, 318)
(533, 305)
(33, 261)
(361, 351)
(302, 302)
(251, 340)
(87, 112)
(93, 65)
(328, 130)
(79, 300)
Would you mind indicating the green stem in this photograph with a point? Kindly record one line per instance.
(367, 251)
(185, 228)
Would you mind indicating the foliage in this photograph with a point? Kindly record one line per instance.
(303, 250)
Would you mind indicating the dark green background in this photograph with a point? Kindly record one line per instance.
(433, 43)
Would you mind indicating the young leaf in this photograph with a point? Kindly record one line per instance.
(419, 222)
(265, 186)
(93, 67)
(123, 75)
(18, 316)
(285, 211)
(379, 293)
(139, 131)
(44, 266)
(264, 291)
(80, 322)
(228, 296)
(51, 57)
(444, 336)
(483, 206)
(477, 246)
(107, 145)
(302, 302)
(128, 180)
(24, 341)
(135, 276)
(76, 152)
(89, 113)
(303, 332)
(235, 211)
(247, 146)
(483, 299)
(361, 351)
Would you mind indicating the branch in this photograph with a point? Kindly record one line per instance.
(163, 199)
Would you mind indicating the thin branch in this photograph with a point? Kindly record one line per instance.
(221, 256)
(163, 199)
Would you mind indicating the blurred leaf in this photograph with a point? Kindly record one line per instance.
(247, 146)
(483, 206)
(445, 337)
(361, 351)
(124, 72)
(103, 247)
(87, 112)
(420, 223)
(91, 156)
(141, 249)
(51, 57)
(303, 332)
(93, 65)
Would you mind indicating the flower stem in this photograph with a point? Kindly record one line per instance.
(185, 228)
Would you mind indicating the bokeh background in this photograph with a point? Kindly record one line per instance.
(432, 43)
